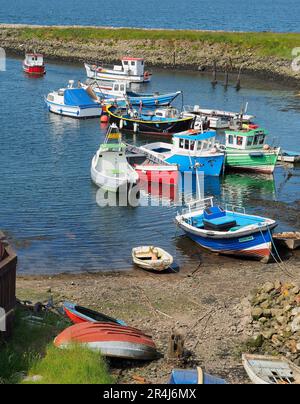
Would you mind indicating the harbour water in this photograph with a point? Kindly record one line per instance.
(48, 202)
(246, 15)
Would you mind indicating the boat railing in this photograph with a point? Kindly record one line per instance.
(198, 204)
(151, 157)
(235, 208)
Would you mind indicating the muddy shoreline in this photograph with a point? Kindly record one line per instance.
(204, 306)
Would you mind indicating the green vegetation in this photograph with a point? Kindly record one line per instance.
(263, 43)
(76, 365)
(31, 352)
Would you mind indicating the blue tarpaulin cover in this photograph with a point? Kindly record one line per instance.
(78, 97)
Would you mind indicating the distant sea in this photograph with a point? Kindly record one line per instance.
(234, 15)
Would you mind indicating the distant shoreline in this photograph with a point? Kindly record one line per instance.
(264, 54)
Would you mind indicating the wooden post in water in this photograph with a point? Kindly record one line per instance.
(214, 80)
(238, 82)
(226, 82)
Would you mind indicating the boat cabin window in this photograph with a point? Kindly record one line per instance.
(187, 144)
(122, 87)
(125, 63)
(230, 139)
(261, 139)
(132, 63)
(239, 140)
(159, 114)
(250, 140)
(116, 87)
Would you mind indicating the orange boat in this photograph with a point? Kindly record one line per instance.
(112, 340)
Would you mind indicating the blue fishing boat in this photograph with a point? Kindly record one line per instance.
(119, 94)
(196, 376)
(227, 232)
(192, 150)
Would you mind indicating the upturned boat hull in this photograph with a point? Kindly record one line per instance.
(111, 340)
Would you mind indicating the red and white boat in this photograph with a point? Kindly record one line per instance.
(34, 64)
(112, 340)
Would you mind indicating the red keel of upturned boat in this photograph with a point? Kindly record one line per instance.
(110, 339)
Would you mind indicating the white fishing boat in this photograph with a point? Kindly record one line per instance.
(152, 258)
(217, 119)
(73, 102)
(131, 70)
(271, 370)
(110, 169)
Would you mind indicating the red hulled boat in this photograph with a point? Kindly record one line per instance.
(34, 64)
(111, 340)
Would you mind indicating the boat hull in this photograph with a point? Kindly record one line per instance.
(196, 376)
(168, 128)
(34, 70)
(74, 112)
(114, 75)
(145, 101)
(111, 340)
(257, 246)
(158, 175)
(260, 163)
(211, 165)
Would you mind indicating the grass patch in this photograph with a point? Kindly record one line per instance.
(262, 43)
(30, 352)
(76, 365)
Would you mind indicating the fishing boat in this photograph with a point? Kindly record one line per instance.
(131, 70)
(291, 240)
(152, 258)
(217, 119)
(162, 121)
(119, 95)
(195, 376)
(33, 64)
(246, 150)
(289, 157)
(110, 169)
(78, 314)
(227, 232)
(192, 151)
(271, 370)
(112, 340)
(73, 102)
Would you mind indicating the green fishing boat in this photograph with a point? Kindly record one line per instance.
(246, 150)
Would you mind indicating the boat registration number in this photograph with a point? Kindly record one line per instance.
(246, 239)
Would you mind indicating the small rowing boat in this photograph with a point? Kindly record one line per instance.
(152, 258)
(291, 240)
(289, 157)
(78, 314)
(271, 370)
(112, 340)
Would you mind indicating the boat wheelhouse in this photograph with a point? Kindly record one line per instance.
(34, 64)
(227, 232)
(131, 70)
(110, 169)
(192, 151)
(162, 121)
(73, 102)
(246, 150)
(121, 95)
